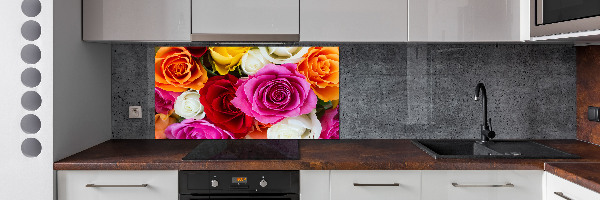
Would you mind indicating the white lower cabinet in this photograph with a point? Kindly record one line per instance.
(341, 185)
(482, 184)
(117, 185)
(314, 184)
(561, 189)
(375, 185)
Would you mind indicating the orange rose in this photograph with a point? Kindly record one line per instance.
(161, 122)
(259, 131)
(175, 70)
(321, 67)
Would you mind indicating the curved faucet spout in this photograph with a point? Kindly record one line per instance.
(486, 133)
(481, 87)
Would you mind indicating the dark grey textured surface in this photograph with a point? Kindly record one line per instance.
(409, 90)
(132, 85)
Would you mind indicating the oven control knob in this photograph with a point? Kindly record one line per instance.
(263, 183)
(214, 183)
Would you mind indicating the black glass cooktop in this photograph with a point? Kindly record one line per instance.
(245, 150)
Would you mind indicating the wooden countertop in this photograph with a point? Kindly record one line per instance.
(314, 155)
(581, 173)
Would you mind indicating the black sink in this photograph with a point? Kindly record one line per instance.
(493, 149)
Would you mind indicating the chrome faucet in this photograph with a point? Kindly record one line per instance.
(486, 129)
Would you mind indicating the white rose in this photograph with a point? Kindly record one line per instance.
(280, 55)
(253, 61)
(300, 127)
(187, 105)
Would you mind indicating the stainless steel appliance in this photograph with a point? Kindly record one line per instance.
(235, 185)
(556, 17)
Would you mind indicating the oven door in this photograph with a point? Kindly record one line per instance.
(238, 197)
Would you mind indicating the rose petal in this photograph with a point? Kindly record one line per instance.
(197, 51)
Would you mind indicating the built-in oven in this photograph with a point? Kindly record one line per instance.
(236, 185)
(554, 17)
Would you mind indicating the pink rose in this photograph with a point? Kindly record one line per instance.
(196, 129)
(274, 93)
(164, 100)
(331, 124)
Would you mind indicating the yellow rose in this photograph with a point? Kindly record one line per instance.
(226, 59)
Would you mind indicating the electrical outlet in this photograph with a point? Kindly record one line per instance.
(135, 111)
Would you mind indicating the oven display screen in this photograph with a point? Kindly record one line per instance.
(239, 180)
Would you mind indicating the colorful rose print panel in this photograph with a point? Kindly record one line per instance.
(247, 92)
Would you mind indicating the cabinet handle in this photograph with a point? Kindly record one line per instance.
(361, 184)
(505, 185)
(94, 185)
(560, 194)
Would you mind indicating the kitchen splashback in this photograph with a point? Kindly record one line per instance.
(395, 91)
(224, 92)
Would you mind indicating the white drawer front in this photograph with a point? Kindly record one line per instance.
(343, 188)
(162, 185)
(567, 188)
(476, 185)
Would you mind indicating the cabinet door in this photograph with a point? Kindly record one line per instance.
(242, 20)
(561, 189)
(354, 20)
(117, 185)
(375, 185)
(482, 184)
(314, 185)
(136, 20)
(468, 20)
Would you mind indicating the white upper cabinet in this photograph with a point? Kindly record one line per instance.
(468, 20)
(354, 20)
(307, 20)
(136, 20)
(245, 20)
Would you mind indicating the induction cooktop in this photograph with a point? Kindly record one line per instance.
(245, 150)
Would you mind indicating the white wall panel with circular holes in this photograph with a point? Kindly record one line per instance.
(26, 103)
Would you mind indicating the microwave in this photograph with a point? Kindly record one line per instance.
(555, 19)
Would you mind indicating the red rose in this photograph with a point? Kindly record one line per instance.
(197, 51)
(216, 98)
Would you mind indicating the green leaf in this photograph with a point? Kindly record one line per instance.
(238, 71)
(322, 106)
(178, 118)
(206, 61)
